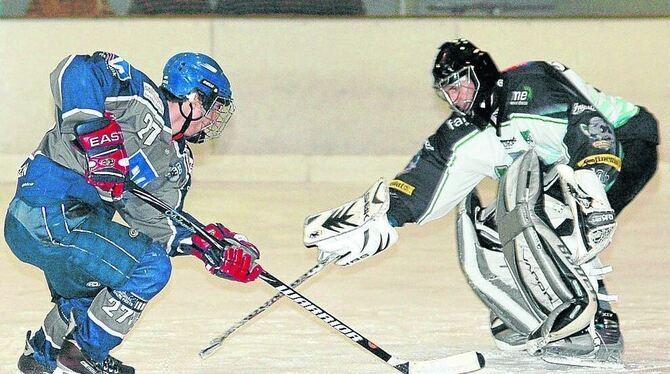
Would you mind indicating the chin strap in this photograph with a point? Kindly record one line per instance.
(495, 110)
(487, 113)
(187, 121)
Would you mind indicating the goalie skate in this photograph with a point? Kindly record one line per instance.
(600, 350)
(504, 337)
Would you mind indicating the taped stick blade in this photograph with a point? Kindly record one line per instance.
(457, 364)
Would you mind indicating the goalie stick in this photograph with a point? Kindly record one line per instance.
(217, 342)
(462, 363)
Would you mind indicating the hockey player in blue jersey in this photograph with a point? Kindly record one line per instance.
(114, 124)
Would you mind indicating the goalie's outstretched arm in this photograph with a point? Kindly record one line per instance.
(442, 173)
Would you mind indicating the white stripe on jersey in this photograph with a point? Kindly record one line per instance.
(60, 79)
(173, 236)
(144, 102)
(71, 112)
(180, 197)
(443, 203)
(92, 112)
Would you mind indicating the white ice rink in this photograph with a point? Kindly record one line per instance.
(412, 300)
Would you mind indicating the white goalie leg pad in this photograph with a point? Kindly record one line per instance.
(585, 195)
(558, 213)
(556, 291)
(487, 272)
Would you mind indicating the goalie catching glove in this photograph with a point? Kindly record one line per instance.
(354, 231)
(236, 262)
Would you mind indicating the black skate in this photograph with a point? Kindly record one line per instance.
(27, 363)
(607, 327)
(603, 350)
(71, 360)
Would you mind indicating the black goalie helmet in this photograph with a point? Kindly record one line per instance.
(465, 77)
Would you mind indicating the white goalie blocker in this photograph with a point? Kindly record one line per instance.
(353, 231)
(539, 276)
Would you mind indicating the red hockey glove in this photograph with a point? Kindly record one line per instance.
(238, 260)
(102, 141)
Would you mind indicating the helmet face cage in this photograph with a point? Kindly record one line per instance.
(217, 114)
(455, 82)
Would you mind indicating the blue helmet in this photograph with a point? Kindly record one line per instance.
(187, 73)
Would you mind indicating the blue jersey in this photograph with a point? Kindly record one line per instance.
(86, 86)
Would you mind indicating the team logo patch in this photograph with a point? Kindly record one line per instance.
(107, 162)
(522, 97)
(141, 170)
(453, 123)
(401, 186)
(176, 171)
(181, 170)
(606, 159)
(119, 67)
(578, 108)
(600, 133)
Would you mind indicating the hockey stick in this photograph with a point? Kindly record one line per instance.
(461, 363)
(217, 342)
